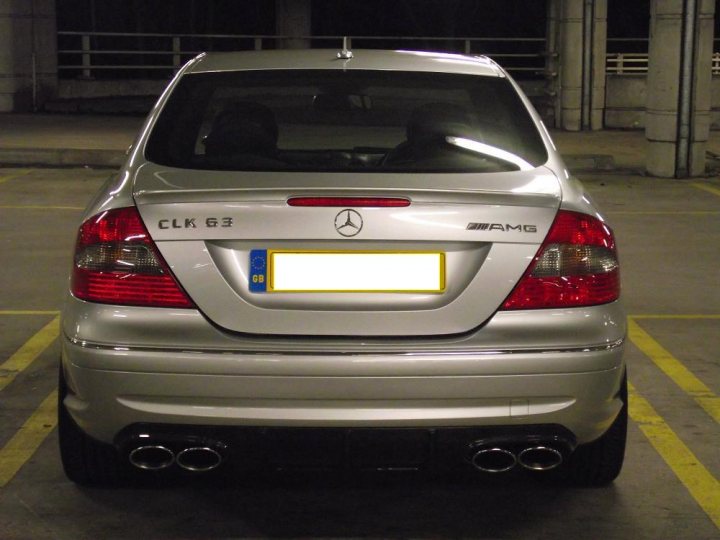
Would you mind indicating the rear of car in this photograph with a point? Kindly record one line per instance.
(312, 261)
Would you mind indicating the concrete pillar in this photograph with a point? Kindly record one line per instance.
(293, 18)
(597, 76)
(582, 45)
(28, 53)
(679, 77)
(552, 64)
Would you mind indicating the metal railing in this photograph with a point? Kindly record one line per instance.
(636, 63)
(626, 63)
(87, 53)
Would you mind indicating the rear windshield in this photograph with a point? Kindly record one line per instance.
(331, 120)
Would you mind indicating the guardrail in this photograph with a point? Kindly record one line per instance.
(89, 53)
(634, 58)
(637, 63)
(626, 63)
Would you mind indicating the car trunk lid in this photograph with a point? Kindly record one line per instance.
(210, 226)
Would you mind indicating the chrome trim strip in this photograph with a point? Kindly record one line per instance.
(475, 352)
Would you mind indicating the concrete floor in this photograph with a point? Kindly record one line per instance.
(668, 232)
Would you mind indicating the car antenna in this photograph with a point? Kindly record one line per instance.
(345, 54)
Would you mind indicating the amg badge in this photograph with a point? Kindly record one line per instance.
(501, 227)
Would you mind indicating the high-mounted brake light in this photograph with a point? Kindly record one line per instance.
(577, 265)
(116, 262)
(357, 202)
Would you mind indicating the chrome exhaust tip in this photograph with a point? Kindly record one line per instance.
(540, 458)
(494, 460)
(199, 458)
(151, 457)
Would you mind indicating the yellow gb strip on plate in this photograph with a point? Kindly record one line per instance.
(356, 271)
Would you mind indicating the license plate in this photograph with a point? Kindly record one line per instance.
(347, 271)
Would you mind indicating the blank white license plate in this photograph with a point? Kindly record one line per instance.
(356, 271)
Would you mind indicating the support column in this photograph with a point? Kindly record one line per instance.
(552, 64)
(599, 52)
(293, 18)
(28, 54)
(679, 77)
(582, 36)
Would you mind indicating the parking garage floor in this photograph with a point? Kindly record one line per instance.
(669, 237)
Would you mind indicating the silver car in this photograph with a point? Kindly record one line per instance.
(368, 259)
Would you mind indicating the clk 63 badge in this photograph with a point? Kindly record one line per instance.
(192, 223)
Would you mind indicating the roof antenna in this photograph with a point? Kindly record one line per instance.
(345, 54)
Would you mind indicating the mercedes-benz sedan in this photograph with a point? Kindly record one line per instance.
(370, 260)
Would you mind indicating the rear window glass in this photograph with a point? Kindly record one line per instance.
(331, 120)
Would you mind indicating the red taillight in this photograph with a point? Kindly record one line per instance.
(116, 262)
(358, 202)
(577, 265)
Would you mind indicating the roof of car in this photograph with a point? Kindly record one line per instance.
(361, 59)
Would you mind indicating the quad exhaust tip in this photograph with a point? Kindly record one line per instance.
(155, 457)
(199, 459)
(494, 460)
(152, 457)
(540, 458)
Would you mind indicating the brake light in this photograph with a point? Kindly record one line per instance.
(577, 265)
(358, 202)
(116, 262)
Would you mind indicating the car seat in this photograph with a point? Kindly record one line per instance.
(242, 128)
(426, 130)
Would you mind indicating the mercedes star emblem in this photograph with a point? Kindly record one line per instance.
(348, 222)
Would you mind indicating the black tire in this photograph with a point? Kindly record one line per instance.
(85, 460)
(598, 463)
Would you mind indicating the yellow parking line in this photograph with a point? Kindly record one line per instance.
(701, 484)
(28, 352)
(706, 187)
(6, 177)
(674, 369)
(38, 207)
(28, 438)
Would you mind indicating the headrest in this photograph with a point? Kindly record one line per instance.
(242, 127)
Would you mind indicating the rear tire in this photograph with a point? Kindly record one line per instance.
(598, 463)
(85, 460)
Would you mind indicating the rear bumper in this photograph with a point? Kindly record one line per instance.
(574, 388)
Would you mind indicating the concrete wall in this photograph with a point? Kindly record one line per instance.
(625, 97)
(27, 31)
(89, 89)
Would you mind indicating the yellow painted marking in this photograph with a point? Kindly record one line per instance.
(679, 317)
(28, 352)
(28, 438)
(701, 484)
(707, 187)
(6, 177)
(27, 312)
(39, 207)
(674, 369)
